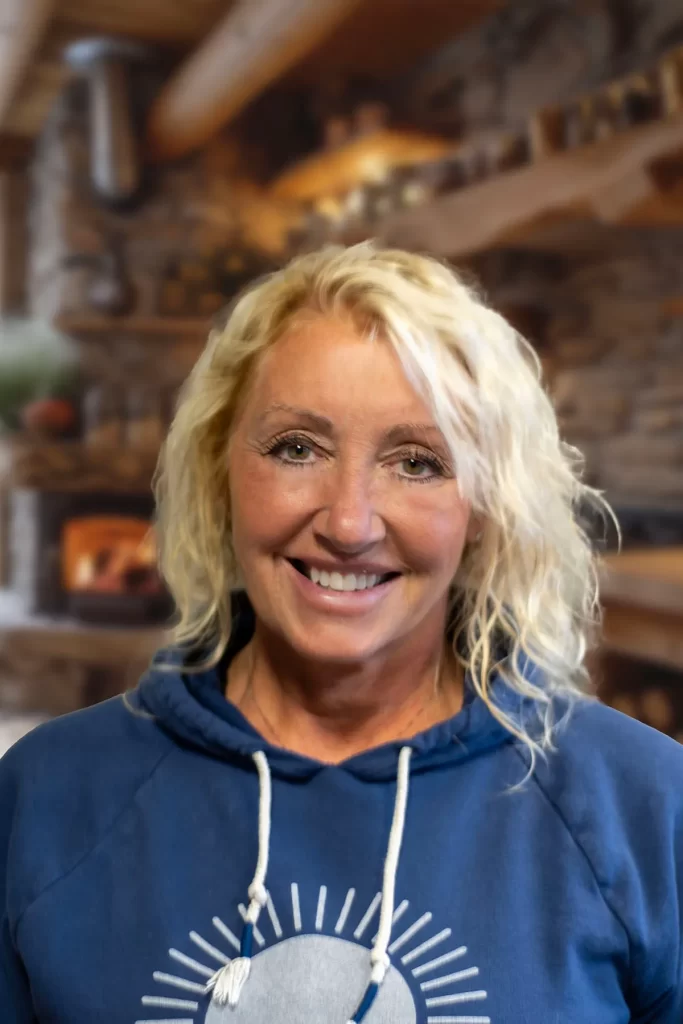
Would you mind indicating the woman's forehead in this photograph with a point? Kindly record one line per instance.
(330, 366)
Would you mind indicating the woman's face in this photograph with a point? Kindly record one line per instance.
(347, 521)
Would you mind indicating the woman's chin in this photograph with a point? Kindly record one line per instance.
(340, 642)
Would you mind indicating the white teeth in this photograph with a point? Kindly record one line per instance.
(349, 581)
(336, 581)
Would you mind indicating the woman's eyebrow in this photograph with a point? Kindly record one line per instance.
(320, 423)
(427, 432)
(400, 433)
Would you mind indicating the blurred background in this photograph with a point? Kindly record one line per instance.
(156, 156)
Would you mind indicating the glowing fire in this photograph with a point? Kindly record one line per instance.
(109, 554)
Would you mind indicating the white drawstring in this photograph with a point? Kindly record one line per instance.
(227, 983)
(379, 956)
(257, 890)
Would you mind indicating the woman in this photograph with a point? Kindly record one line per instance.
(369, 786)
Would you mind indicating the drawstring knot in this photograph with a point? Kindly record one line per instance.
(258, 896)
(381, 963)
(227, 983)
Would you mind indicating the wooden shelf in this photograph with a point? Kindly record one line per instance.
(606, 179)
(73, 466)
(650, 578)
(68, 638)
(359, 162)
(642, 597)
(153, 326)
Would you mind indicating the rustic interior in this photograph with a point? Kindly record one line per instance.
(145, 177)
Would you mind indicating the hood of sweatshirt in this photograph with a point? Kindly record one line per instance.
(191, 706)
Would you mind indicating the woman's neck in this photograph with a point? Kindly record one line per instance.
(331, 713)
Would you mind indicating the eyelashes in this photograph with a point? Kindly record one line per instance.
(303, 452)
(279, 445)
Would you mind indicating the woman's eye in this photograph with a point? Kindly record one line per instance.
(296, 452)
(419, 468)
(292, 451)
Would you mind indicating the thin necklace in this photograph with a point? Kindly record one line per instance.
(249, 693)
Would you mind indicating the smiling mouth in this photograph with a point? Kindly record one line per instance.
(348, 582)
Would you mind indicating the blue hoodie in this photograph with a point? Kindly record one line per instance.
(136, 837)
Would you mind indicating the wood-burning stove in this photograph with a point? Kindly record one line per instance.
(86, 555)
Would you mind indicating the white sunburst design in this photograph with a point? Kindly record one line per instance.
(305, 976)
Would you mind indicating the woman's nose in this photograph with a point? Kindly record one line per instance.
(350, 520)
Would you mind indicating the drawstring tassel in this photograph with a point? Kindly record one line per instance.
(228, 981)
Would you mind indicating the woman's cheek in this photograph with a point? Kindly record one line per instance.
(431, 528)
(275, 499)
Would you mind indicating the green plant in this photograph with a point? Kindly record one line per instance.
(36, 361)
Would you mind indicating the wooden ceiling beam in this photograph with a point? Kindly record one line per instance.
(183, 24)
(252, 46)
(27, 21)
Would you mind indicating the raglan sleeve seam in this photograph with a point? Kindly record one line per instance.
(601, 889)
(93, 846)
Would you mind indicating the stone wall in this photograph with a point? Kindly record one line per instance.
(536, 51)
(73, 235)
(612, 348)
(135, 288)
(619, 394)
(180, 250)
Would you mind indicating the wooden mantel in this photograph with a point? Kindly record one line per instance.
(80, 641)
(642, 596)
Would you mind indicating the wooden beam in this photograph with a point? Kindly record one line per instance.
(480, 215)
(26, 22)
(251, 47)
(181, 24)
(613, 203)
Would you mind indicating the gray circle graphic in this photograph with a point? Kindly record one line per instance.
(315, 979)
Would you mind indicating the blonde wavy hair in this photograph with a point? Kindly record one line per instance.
(527, 588)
